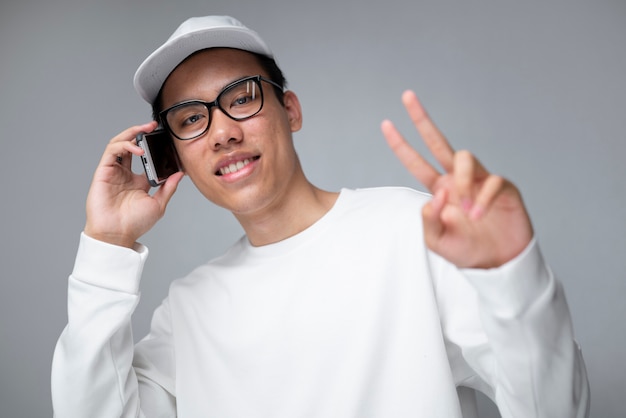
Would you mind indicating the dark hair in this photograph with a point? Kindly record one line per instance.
(268, 64)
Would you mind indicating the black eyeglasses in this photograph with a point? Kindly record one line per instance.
(239, 100)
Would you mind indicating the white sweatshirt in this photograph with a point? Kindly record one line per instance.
(351, 318)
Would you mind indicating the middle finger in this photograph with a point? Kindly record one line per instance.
(432, 136)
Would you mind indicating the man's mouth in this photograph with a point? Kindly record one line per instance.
(235, 166)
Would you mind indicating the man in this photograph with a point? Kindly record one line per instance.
(346, 304)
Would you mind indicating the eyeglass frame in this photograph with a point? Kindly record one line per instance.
(215, 103)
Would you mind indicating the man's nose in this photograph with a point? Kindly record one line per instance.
(224, 132)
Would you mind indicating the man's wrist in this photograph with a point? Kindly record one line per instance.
(108, 265)
(110, 238)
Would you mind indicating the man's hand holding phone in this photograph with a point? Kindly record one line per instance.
(160, 159)
(120, 208)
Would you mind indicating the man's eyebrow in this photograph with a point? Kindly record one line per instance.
(218, 91)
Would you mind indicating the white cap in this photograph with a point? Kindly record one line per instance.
(193, 35)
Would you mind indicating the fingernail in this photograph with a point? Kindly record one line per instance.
(476, 213)
(466, 205)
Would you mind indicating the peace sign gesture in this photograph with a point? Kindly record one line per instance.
(475, 219)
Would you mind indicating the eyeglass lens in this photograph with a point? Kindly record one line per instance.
(239, 101)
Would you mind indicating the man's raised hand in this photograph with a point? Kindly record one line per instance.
(475, 219)
(119, 206)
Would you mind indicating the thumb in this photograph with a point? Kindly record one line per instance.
(431, 216)
(167, 189)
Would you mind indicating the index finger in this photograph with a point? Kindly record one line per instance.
(432, 136)
(409, 157)
(124, 143)
(130, 133)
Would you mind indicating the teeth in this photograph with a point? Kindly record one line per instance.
(234, 167)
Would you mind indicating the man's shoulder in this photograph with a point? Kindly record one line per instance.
(211, 268)
(389, 196)
(384, 207)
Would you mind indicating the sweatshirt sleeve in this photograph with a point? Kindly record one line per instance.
(92, 371)
(509, 334)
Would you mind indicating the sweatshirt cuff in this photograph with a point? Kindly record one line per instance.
(509, 290)
(109, 266)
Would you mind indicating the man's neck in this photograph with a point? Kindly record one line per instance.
(289, 217)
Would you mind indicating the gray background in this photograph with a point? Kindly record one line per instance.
(535, 88)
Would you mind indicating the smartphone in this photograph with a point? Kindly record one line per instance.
(160, 159)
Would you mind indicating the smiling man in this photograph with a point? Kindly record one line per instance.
(250, 166)
(380, 302)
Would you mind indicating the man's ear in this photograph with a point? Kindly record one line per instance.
(294, 111)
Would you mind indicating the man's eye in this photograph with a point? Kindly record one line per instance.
(242, 100)
(190, 120)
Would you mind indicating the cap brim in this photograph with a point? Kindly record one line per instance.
(155, 69)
